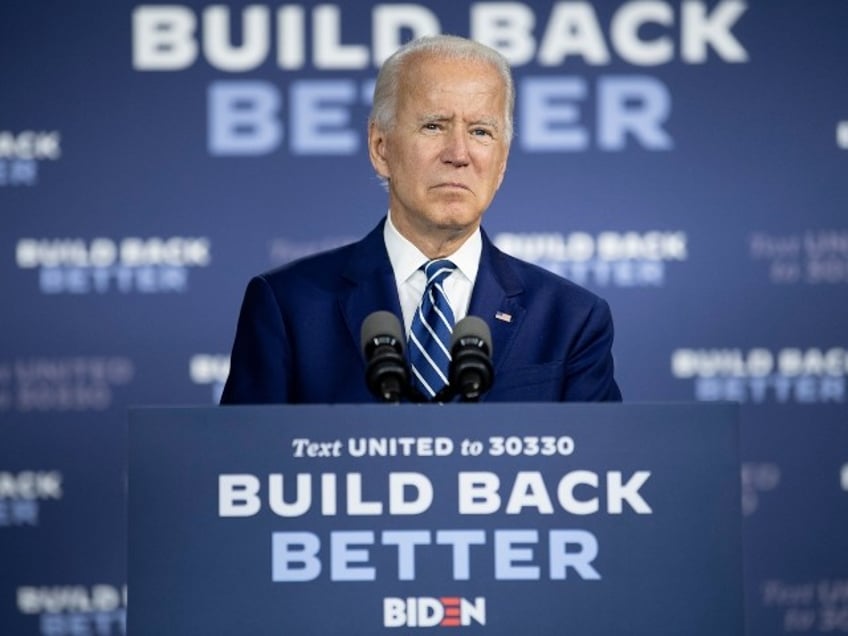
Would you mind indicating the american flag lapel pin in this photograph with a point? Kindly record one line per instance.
(502, 315)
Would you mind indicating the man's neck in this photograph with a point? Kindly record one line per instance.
(435, 242)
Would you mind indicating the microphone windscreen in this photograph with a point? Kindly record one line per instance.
(472, 327)
(380, 324)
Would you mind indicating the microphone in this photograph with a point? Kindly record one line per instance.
(471, 372)
(382, 346)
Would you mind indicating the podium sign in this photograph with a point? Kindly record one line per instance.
(488, 519)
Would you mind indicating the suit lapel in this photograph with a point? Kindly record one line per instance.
(371, 283)
(497, 299)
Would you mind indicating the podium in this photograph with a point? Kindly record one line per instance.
(542, 519)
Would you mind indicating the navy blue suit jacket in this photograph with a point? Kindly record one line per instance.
(297, 339)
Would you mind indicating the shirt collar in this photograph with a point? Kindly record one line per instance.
(406, 259)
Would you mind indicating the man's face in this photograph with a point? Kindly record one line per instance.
(446, 155)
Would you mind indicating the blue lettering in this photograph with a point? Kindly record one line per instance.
(636, 105)
(779, 388)
(243, 118)
(100, 280)
(406, 540)
(18, 172)
(321, 110)
(294, 556)
(561, 558)
(549, 116)
(507, 555)
(84, 623)
(628, 109)
(343, 556)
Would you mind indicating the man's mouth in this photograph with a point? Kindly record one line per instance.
(452, 185)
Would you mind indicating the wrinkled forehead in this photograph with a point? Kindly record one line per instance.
(422, 65)
(474, 83)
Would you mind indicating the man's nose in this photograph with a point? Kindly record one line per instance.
(455, 150)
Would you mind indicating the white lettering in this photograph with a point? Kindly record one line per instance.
(506, 27)
(422, 487)
(478, 493)
(238, 496)
(573, 29)
(329, 52)
(389, 21)
(254, 37)
(624, 32)
(166, 37)
(163, 38)
(700, 29)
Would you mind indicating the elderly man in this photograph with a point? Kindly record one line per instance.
(439, 136)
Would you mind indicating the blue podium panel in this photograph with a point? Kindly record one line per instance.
(495, 519)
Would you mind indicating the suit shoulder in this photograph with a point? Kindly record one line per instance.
(319, 268)
(357, 260)
(536, 279)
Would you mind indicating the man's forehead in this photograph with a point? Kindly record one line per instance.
(428, 62)
(428, 84)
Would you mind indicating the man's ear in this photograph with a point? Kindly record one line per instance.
(502, 171)
(377, 150)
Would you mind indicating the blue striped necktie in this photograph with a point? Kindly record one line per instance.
(430, 334)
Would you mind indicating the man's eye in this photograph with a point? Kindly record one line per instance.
(481, 132)
(431, 126)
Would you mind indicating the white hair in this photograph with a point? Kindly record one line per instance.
(384, 108)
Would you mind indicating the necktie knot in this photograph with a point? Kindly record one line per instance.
(438, 270)
(429, 337)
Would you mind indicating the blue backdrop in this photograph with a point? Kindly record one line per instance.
(685, 160)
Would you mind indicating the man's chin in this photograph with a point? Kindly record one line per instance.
(456, 220)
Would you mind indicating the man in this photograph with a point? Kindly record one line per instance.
(439, 136)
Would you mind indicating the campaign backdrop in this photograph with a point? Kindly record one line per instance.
(499, 519)
(685, 160)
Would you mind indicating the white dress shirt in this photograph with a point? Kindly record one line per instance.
(407, 260)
